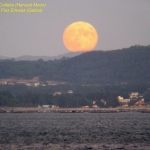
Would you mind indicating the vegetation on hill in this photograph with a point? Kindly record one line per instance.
(95, 67)
(126, 65)
(92, 76)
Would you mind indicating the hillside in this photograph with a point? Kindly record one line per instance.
(124, 65)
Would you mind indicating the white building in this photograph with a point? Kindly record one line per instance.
(57, 93)
(122, 100)
(37, 84)
(134, 95)
(70, 92)
(95, 106)
(45, 106)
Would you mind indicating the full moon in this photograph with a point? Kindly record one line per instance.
(80, 37)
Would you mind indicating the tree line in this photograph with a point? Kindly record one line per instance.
(30, 99)
(21, 95)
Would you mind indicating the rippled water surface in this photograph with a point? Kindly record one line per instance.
(130, 130)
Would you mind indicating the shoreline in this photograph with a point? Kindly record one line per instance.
(72, 110)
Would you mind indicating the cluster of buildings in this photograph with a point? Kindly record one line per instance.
(35, 82)
(135, 99)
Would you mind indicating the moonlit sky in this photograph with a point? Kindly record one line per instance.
(119, 23)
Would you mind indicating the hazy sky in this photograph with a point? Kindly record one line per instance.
(119, 23)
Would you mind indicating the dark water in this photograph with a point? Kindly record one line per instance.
(129, 130)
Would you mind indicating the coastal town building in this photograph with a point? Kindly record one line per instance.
(45, 106)
(56, 93)
(123, 102)
(50, 106)
(134, 95)
(95, 106)
(85, 106)
(70, 92)
(135, 99)
(103, 101)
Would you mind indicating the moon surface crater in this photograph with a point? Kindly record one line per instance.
(80, 36)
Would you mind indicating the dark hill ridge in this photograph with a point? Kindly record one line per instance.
(130, 64)
(125, 65)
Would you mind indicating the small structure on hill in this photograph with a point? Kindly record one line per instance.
(57, 93)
